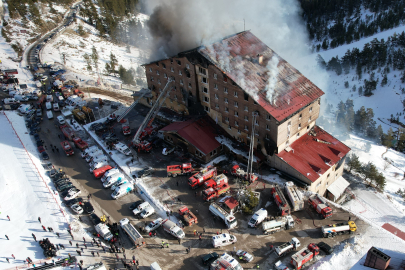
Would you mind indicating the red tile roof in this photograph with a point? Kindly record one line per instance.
(199, 133)
(314, 153)
(276, 85)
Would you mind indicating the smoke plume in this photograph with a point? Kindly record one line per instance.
(179, 25)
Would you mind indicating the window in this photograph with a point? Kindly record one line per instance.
(226, 100)
(287, 143)
(230, 127)
(203, 80)
(205, 89)
(310, 109)
(289, 123)
(300, 116)
(187, 66)
(171, 61)
(226, 109)
(236, 123)
(189, 84)
(179, 62)
(246, 109)
(235, 103)
(180, 73)
(163, 65)
(257, 133)
(151, 78)
(171, 69)
(157, 72)
(175, 97)
(215, 86)
(268, 117)
(215, 76)
(150, 70)
(328, 175)
(206, 108)
(246, 128)
(298, 135)
(266, 137)
(165, 75)
(245, 96)
(226, 90)
(310, 118)
(307, 127)
(226, 119)
(239, 131)
(225, 79)
(216, 106)
(158, 81)
(181, 82)
(236, 114)
(207, 99)
(157, 63)
(267, 127)
(216, 96)
(299, 125)
(202, 71)
(235, 94)
(246, 118)
(257, 122)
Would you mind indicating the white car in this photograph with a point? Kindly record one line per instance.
(154, 225)
(247, 257)
(72, 193)
(147, 212)
(77, 208)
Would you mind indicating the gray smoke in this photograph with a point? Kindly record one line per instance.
(179, 25)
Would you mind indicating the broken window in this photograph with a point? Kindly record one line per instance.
(163, 65)
(171, 69)
(235, 94)
(181, 82)
(202, 71)
(203, 80)
(226, 100)
(246, 109)
(268, 117)
(205, 89)
(226, 90)
(157, 63)
(246, 128)
(216, 96)
(180, 73)
(189, 84)
(215, 86)
(236, 123)
(150, 70)
(267, 127)
(187, 66)
(215, 76)
(246, 118)
(246, 96)
(235, 104)
(207, 99)
(226, 109)
(206, 108)
(225, 79)
(179, 62)
(157, 72)
(236, 114)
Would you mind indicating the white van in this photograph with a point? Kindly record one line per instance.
(223, 240)
(11, 101)
(56, 107)
(93, 154)
(61, 120)
(98, 165)
(109, 173)
(21, 98)
(123, 149)
(89, 150)
(48, 105)
(258, 217)
(49, 98)
(113, 179)
(98, 159)
(49, 114)
(155, 266)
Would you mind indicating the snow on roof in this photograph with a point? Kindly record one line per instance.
(338, 187)
(199, 133)
(314, 153)
(273, 83)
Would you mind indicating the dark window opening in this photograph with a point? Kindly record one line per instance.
(246, 96)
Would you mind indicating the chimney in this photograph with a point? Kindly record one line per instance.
(261, 59)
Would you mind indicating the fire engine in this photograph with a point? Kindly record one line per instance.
(338, 228)
(240, 173)
(212, 193)
(67, 132)
(283, 206)
(126, 129)
(188, 217)
(304, 256)
(80, 143)
(175, 170)
(67, 148)
(320, 205)
(283, 249)
(199, 178)
(216, 181)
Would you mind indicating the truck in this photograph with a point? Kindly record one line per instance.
(229, 219)
(320, 205)
(79, 93)
(104, 231)
(278, 224)
(188, 217)
(199, 178)
(332, 230)
(112, 180)
(183, 169)
(67, 132)
(284, 248)
(80, 143)
(240, 173)
(67, 148)
(171, 227)
(131, 232)
(304, 256)
(257, 217)
(223, 240)
(295, 196)
(282, 204)
(213, 193)
(216, 181)
(126, 129)
(122, 190)
(79, 115)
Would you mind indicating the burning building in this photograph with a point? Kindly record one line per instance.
(240, 75)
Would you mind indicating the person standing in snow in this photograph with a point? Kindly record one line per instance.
(8, 218)
(7, 237)
(33, 235)
(43, 227)
(39, 219)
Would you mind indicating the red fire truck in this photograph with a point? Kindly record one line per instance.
(67, 131)
(304, 256)
(320, 205)
(175, 170)
(188, 217)
(240, 173)
(80, 143)
(67, 148)
(216, 181)
(199, 178)
(126, 130)
(283, 206)
(212, 193)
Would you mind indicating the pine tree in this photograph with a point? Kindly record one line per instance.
(94, 56)
(369, 171)
(87, 58)
(353, 162)
(113, 62)
(379, 134)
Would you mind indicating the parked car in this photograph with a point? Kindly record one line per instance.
(64, 187)
(154, 225)
(72, 193)
(69, 203)
(44, 155)
(39, 143)
(77, 208)
(49, 166)
(135, 204)
(144, 172)
(209, 258)
(41, 149)
(147, 212)
(325, 248)
(244, 256)
(88, 208)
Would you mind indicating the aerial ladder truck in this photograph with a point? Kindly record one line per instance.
(137, 141)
